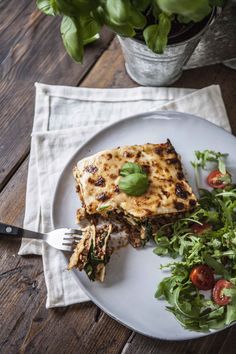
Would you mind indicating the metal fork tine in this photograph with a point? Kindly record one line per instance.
(77, 238)
(72, 237)
(74, 232)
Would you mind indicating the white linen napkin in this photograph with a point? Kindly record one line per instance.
(65, 117)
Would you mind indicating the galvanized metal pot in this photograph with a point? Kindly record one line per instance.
(150, 69)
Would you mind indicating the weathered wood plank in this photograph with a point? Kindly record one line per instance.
(138, 344)
(109, 70)
(24, 64)
(13, 19)
(10, 11)
(12, 198)
(228, 345)
(78, 331)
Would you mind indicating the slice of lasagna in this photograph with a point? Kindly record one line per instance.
(168, 194)
(92, 253)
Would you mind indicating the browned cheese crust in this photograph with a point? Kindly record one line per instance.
(168, 193)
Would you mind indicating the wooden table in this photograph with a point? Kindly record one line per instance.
(31, 50)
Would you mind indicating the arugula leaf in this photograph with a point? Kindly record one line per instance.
(216, 265)
(231, 313)
(206, 156)
(202, 157)
(216, 247)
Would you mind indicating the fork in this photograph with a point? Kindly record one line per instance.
(61, 239)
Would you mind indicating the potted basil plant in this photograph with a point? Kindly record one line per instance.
(157, 36)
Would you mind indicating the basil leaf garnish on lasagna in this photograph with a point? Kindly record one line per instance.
(134, 180)
(164, 195)
(130, 168)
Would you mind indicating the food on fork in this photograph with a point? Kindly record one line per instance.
(140, 186)
(92, 253)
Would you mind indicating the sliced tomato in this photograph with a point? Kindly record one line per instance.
(214, 179)
(200, 229)
(217, 292)
(202, 277)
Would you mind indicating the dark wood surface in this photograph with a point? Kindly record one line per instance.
(31, 50)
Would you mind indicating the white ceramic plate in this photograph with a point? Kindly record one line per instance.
(132, 275)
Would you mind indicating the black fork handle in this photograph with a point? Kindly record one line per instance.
(10, 230)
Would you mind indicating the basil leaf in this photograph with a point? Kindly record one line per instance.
(129, 168)
(217, 2)
(76, 7)
(122, 30)
(134, 184)
(72, 37)
(194, 10)
(103, 18)
(141, 4)
(164, 29)
(150, 35)
(156, 36)
(117, 10)
(49, 7)
(123, 17)
(122, 12)
(90, 29)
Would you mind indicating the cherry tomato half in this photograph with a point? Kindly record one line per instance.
(214, 181)
(217, 292)
(202, 277)
(200, 229)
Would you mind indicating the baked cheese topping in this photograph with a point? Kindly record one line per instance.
(98, 178)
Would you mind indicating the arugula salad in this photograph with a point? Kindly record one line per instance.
(201, 290)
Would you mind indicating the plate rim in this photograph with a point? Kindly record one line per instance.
(163, 115)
